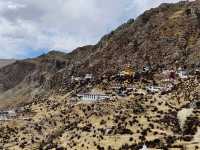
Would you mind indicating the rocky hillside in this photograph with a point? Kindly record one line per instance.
(20, 81)
(167, 35)
(5, 62)
(156, 108)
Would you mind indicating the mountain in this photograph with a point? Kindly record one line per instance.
(164, 36)
(5, 62)
(159, 109)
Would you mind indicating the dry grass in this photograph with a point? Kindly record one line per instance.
(182, 115)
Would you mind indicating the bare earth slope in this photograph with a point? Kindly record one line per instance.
(5, 62)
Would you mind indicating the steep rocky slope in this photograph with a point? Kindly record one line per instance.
(14, 74)
(20, 80)
(167, 35)
(51, 116)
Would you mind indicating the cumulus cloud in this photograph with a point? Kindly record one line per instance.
(34, 26)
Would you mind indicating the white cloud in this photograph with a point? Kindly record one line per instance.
(12, 5)
(29, 26)
(139, 6)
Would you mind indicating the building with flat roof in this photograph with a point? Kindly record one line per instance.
(5, 115)
(92, 97)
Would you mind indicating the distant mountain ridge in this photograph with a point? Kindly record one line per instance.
(5, 62)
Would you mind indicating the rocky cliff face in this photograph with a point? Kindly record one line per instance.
(168, 35)
(165, 35)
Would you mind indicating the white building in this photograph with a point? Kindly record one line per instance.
(88, 76)
(195, 104)
(116, 86)
(92, 97)
(5, 115)
(183, 74)
(75, 78)
(144, 147)
(146, 68)
(167, 86)
(12, 113)
(153, 89)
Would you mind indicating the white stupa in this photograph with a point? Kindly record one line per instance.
(144, 147)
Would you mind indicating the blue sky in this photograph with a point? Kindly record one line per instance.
(34, 53)
(32, 27)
